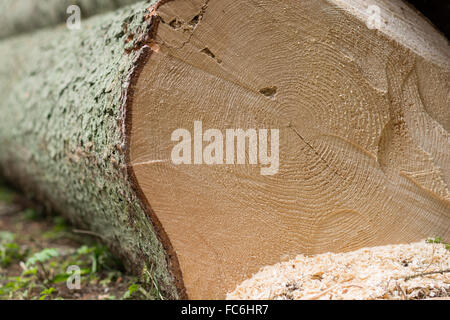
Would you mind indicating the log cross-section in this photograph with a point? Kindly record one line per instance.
(360, 115)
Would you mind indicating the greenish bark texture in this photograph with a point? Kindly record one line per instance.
(62, 100)
(19, 16)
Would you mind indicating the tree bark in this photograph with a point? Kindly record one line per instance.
(19, 16)
(63, 98)
(362, 114)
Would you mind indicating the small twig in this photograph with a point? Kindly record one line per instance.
(432, 258)
(426, 274)
(401, 291)
(90, 233)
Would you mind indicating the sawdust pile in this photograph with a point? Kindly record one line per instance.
(387, 272)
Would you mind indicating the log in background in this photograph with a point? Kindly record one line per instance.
(22, 16)
(63, 101)
(62, 95)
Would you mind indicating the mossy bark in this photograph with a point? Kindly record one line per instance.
(63, 96)
(19, 16)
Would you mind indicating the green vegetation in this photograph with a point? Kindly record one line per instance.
(44, 273)
(439, 241)
(6, 195)
(37, 254)
(9, 250)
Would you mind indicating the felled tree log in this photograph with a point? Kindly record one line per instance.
(362, 115)
(63, 100)
(19, 16)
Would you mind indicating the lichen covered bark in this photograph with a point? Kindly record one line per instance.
(62, 100)
(19, 16)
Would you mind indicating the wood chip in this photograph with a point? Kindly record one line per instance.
(368, 273)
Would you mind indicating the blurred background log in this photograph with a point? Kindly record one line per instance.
(20, 16)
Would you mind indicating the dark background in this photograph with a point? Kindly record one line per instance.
(437, 11)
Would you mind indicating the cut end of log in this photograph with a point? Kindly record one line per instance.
(205, 139)
(360, 118)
